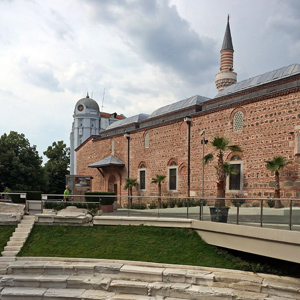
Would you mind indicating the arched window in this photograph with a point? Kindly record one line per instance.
(173, 169)
(142, 177)
(147, 140)
(235, 180)
(238, 121)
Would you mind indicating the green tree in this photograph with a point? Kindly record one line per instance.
(221, 144)
(56, 168)
(130, 183)
(275, 165)
(21, 166)
(158, 180)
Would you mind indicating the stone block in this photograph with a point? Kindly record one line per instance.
(243, 295)
(63, 294)
(83, 268)
(57, 281)
(159, 289)
(102, 269)
(174, 275)
(205, 278)
(238, 281)
(22, 293)
(58, 268)
(149, 274)
(133, 297)
(129, 287)
(284, 289)
(91, 294)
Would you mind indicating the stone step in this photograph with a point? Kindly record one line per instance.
(12, 248)
(27, 217)
(9, 253)
(25, 226)
(16, 239)
(7, 259)
(15, 243)
(20, 230)
(20, 234)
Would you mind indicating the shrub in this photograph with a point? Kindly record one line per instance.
(179, 203)
(153, 205)
(271, 203)
(164, 204)
(103, 200)
(236, 200)
(172, 203)
(30, 195)
(138, 206)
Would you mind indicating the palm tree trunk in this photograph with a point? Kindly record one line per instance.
(221, 184)
(278, 203)
(159, 194)
(130, 197)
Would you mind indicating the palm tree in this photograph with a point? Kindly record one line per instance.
(158, 180)
(221, 144)
(275, 165)
(130, 183)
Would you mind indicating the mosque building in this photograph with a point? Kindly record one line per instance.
(260, 114)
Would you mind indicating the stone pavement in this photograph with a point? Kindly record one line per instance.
(69, 278)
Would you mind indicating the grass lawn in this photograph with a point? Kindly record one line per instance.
(142, 243)
(6, 232)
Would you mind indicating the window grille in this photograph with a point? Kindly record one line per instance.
(238, 121)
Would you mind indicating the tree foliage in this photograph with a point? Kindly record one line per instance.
(158, 180)
(276, 165)
(20, 164)
(221, 144)
(56, 168)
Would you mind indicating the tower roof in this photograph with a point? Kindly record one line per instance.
(227, 42)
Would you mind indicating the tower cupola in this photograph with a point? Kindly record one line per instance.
(226, 77)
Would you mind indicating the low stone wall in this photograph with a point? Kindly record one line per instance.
(11, 213)
(69, 215)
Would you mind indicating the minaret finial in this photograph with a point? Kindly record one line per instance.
(87, 95)
(226, 77)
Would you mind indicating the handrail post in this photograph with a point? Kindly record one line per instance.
(261, 212)
(187, 208)
(238, 213)
(291, 214)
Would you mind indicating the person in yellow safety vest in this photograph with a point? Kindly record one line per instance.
(67, 193)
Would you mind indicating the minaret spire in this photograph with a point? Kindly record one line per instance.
(226, 77)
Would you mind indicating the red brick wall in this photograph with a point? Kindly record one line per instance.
(265, 134)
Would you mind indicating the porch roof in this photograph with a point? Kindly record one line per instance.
(110, 161)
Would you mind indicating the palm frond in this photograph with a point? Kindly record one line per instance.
(235, 148)
(158, 178)
(207, 158)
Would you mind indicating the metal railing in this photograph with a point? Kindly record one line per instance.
(246, 211)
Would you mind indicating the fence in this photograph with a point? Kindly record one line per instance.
(241, 211)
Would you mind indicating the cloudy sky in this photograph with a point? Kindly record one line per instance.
(144, 53)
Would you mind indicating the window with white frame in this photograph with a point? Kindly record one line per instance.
(142, 177)
(234, 183)
(173, 177)
(238, 121)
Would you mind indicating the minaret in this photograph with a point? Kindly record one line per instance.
(226, 77)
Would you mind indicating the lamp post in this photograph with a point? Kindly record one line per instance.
(127, 136)
(203, 142)
(188, 120)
